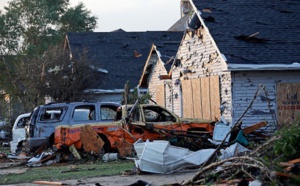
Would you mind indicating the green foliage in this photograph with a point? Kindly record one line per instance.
(28, 28)
(131, 97)
(71, 22)
(288, 144)
(64, 79)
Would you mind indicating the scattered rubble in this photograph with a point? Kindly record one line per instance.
(233, 158)
(91, 141)
(230, 162)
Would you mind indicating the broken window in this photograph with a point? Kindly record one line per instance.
(135, 115)
(51, 114)
(22, 122)
(86, 112)
(157, 114)
(108, 112)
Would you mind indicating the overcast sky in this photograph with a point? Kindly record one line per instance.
(130, 15)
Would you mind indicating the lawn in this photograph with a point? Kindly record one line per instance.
(65, 171)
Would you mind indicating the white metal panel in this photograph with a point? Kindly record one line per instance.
(245, 84)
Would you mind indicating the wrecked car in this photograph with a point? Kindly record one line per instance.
(18, 132)
(145, 121)
(41, 126)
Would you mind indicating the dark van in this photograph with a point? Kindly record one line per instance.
(43, 120)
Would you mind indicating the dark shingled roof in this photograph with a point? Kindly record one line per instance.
(114, 52)
(274, 25)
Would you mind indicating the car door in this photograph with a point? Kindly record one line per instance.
(85, 113)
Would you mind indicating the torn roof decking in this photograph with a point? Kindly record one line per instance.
(256, 31)
(114, 52)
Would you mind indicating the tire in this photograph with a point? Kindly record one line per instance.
(51, 141)
(106, 147)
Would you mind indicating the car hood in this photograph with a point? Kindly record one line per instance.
(195, 120)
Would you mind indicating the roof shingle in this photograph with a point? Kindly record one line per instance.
(256, 31)
(114, 52)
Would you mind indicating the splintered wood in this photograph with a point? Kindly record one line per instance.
(124, 148)
(91, 141)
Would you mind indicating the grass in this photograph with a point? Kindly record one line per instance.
(5, 150)
(82, 171)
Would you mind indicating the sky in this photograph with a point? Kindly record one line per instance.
(130, 15)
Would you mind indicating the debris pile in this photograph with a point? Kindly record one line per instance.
(234, 159)
(226, 155)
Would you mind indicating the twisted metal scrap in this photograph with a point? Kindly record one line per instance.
(237, 162)
(242, 161)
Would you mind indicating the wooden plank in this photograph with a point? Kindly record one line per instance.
(254, 127)
(73, 150)
(124, 148)
(205, 93)
(196, 85)
(160, 94)
(48, 183)
(91, 141)
(288, 175)
(187, 99)
(214, 88)
(288, 102)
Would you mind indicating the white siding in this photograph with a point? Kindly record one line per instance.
(154, 79)
(168, 95)
(199, 55)
(245, 84)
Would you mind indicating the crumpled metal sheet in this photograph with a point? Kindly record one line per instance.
(233, 150)
(161, 157)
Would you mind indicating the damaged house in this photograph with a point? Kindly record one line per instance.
(156, 73)
(236, 56)
(120, 56)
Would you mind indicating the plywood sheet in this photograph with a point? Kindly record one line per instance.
(160, 95)
(187, 99)
(288, 102)
(90, 140)
(215, 98)
(197, 105)
(205, 93)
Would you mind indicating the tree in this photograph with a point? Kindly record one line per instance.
(28, 28)
(131, 97)
(64, 79)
